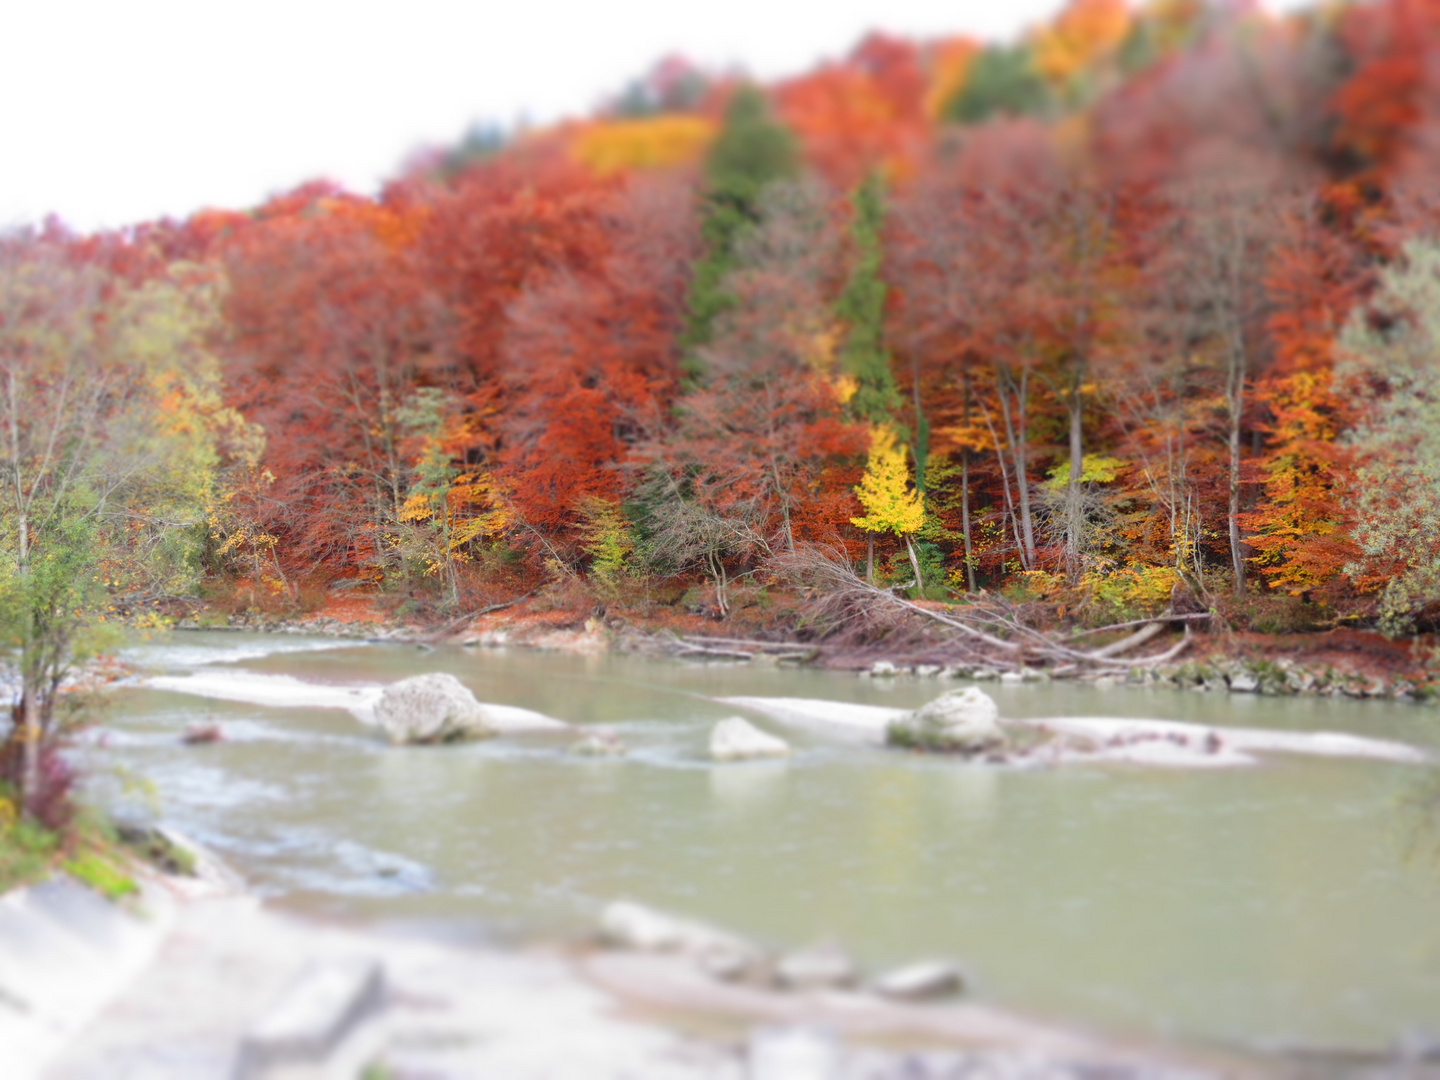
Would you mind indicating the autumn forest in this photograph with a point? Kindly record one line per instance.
(1144, 304)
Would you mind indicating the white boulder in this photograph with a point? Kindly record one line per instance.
(963, 721)
(431, 708)
(736, 739)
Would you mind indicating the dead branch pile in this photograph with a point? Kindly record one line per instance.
(987, 630)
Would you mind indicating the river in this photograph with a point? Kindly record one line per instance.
(1294, 902)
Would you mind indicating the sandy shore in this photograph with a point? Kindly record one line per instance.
(176, 986)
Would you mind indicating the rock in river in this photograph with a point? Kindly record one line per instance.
(735, 739)
(432, 708)
(599, 742)
(962, 721)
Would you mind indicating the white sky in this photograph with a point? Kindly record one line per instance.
(117, 111)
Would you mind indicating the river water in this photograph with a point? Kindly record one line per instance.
(1296, 902)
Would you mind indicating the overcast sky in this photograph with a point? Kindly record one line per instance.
(116, 111)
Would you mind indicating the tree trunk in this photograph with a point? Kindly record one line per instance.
(915, 565)
(965, 496)
(1236, 395)
(1074, 502)
(870, 558)
(965, 519)
(1022, 466)
(29, 792)
(1005, 486)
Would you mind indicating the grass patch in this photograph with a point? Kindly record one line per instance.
(89, 849)
(27, 850)
(102, 872)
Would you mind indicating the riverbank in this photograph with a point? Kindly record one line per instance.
(197, 980)
(1340, 663)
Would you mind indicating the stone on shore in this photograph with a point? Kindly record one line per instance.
(431, 708)
(318, 1010)
(962, 721)
(923, 981)
(794, 1053)
(736, 739)
(628, 925)
(823, 967)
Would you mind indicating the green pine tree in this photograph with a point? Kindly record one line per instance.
(1002, 81)
(863, 355)
(752, 150)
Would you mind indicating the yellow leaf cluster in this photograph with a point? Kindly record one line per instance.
(613, 146)
(1081, 34)
(846, 387)
(417, 508)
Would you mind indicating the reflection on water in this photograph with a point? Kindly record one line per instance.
(1264, 903)
(1421, 810)
(748, 786)
(973, 790)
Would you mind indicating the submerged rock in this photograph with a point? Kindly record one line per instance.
(736, 739)
(962, 721)
(602, 742)
(431, 708)
(923, 981)
(199, 734)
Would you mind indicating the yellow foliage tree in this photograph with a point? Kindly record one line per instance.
(891, 504)
(1080, 35)
(948, 68)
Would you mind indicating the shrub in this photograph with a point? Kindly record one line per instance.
(1130, 592)
(1030, 585)
(26, 848)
